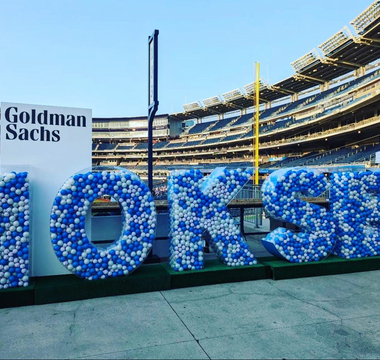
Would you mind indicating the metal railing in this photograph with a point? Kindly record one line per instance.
(252, 217)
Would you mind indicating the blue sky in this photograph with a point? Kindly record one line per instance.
(93, 53)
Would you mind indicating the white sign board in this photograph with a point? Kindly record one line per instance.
(377, 157)
(55, 142)
(151, 72)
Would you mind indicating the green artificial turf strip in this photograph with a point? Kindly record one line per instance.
(51, 289)
(17, 296)
(214, 272)
(332, 265)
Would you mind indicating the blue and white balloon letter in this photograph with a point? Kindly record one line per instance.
(14, 230)
(67, 225)
(355, 198)
(281, 193)
(198, 210)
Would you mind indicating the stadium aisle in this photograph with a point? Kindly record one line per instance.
(331, 317)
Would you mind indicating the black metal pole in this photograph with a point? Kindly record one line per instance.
(152, 98)
(150, 149)
(242, 229)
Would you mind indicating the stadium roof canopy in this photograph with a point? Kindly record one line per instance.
(341, 54)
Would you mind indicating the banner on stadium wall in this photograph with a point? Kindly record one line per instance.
(54, 142)
(278, 158)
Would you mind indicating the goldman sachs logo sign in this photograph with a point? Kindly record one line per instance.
(38, 126)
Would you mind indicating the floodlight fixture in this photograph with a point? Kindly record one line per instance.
(251, 87)
(304, 61)
(232, 95)
(367, 17)
(212, 101)
(192, 106)
(337, 40)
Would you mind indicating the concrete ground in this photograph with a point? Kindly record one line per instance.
(327, 317)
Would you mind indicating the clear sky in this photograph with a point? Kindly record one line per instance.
(94, 53)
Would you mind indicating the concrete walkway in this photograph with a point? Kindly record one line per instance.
(331, 317)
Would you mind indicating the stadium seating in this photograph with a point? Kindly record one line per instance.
(160, 145)
(363, 154)
(211, 141)
(244, 120)
(328, 158)
(294, 161)
(231, 138)
(291, 107)
(192, 143)
(106, 146)
(273, 111)
(325, 95)
(199, 128)
(125, 147)
(221, 124)
(285, 123)
(247, 135)
(281, 123)
(333, 157)
(175, 144)
(141, 146)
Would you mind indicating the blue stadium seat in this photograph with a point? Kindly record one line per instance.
(199, 128)
(222, 124)
(248, 135)
(243, 120)
(192, 143)
(141, 146)
(160, 145)
(211, 141)
(266, 114)
(107, 146)
(362, 154)
(175, 144)
(231, 137)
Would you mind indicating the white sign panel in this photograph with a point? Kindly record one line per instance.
(377, 157)
(151, 72)
(55, 142)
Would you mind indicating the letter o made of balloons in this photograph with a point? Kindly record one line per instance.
(70, 242)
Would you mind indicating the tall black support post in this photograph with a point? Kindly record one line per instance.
(152, 99)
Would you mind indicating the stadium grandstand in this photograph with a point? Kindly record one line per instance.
(326, 113)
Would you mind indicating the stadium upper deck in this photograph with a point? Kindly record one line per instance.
(345, 115)
(331, 103)
(343, 53)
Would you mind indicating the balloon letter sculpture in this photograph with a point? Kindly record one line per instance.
(356, 208)
(281, 193)
(67, 224)
(14, 230)
(198, 209)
